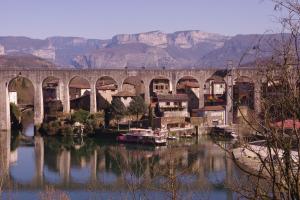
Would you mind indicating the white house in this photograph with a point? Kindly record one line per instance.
(125, 97)
(173, 105)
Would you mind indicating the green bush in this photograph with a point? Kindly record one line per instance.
(80, 116)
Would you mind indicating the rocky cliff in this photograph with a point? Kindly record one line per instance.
(154, 49)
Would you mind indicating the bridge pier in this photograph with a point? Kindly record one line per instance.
(147, 91)
(257, 98)
(201, 94)
(65, 97)
(4, 107)
(229, 99)
(93, 98)
(38, 104)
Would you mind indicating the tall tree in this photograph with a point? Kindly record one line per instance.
(137, 106)
(118, 110)
(275, 172)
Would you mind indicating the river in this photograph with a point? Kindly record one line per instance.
(97, 169)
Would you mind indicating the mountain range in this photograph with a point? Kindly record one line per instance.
(182, 49)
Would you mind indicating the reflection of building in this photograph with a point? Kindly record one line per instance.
(213, 115)
(125, 97)
(13, 97)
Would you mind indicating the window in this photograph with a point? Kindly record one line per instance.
(168, 103)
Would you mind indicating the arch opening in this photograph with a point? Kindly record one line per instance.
(190, 86)
(79, 91)
(53, 107)
(215, 91)
(132, 86)
(106, 88)
(21, 99)
(243, 98)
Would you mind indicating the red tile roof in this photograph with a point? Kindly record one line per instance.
(288, 124)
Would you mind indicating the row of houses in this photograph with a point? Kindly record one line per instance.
(174, 109)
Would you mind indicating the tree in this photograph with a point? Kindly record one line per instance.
(137, 106)
(274, 171)
(118, 110)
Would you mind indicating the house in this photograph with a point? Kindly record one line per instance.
(191, 88)
(172, 109)
(13, 97)
(107, 91)
(215, 91)
(173, 105)
(160, 86)
(213, 115)
(125, 97)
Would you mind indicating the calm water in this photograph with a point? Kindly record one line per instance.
(95, 169)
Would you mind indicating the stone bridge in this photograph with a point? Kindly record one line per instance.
(37, 77)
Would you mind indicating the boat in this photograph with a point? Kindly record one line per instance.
(172, 138)
(144, 136)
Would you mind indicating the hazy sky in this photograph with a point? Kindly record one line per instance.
(105, 18)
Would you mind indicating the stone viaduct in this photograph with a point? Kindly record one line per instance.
(37, 76)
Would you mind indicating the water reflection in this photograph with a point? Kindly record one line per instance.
(197, 168)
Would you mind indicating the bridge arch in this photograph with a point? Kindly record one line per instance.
(21, 97)
(106, 87)
(134, 85)
(79, 93)
(243, 98)
(190, 86)
(215, 90)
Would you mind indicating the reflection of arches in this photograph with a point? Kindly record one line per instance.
(134, 85)
(160, 85)
(106, 87)
(190, 86)
(79, 91)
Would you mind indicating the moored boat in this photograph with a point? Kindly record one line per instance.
(144, 136)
